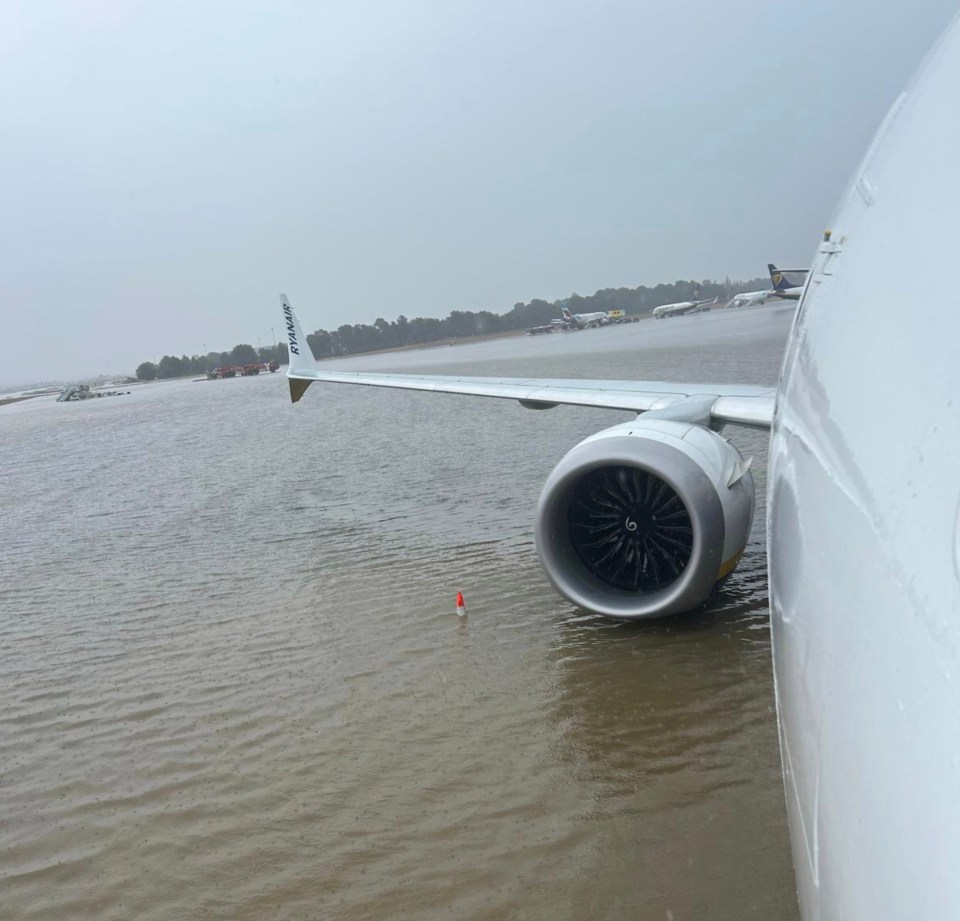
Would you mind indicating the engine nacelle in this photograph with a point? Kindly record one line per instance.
(643, 519)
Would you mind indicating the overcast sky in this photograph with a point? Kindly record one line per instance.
(167, 168)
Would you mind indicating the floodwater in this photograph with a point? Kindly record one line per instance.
(233, 684)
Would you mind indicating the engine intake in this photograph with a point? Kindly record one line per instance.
(643, 519)
(629, 528)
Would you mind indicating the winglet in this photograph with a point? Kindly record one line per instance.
(298, 387)
(301, 358)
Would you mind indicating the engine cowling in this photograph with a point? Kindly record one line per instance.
(643, 519)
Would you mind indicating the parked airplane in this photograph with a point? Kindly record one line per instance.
(676, 310)
(748, 299)
(584, 320)
(863, 520)
(782, 287)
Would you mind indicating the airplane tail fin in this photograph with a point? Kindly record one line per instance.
(566, 313)
(777, 278)
(301, 358)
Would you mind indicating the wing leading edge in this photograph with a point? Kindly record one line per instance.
(746, 404)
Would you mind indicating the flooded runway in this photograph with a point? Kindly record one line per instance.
(233, 685)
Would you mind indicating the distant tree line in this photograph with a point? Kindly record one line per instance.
(171, 366)
(460, 324)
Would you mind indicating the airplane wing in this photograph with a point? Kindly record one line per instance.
(748, 405)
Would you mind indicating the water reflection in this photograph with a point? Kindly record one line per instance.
(670, 728)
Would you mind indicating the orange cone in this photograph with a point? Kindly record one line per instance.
(461, 607)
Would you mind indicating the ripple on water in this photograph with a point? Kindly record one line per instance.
(234, 686)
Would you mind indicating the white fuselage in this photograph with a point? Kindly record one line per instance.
(791, 294)
(748, 298)
(676, 310)
(586, 320)
(864, 534)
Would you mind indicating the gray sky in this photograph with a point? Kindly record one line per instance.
(167, 168)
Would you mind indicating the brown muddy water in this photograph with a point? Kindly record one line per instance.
(233, 684)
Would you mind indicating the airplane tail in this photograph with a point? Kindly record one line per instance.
(301, 358)
(777, 278)
(566, 313)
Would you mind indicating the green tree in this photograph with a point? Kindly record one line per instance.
(385, 333)
(170, 366)
(243, 354)
(277, 353)
(147, 371)
(320, 342)
(460, 323)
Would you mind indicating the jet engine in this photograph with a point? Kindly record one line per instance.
(643, 519)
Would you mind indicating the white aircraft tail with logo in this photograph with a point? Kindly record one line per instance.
(301, 357)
